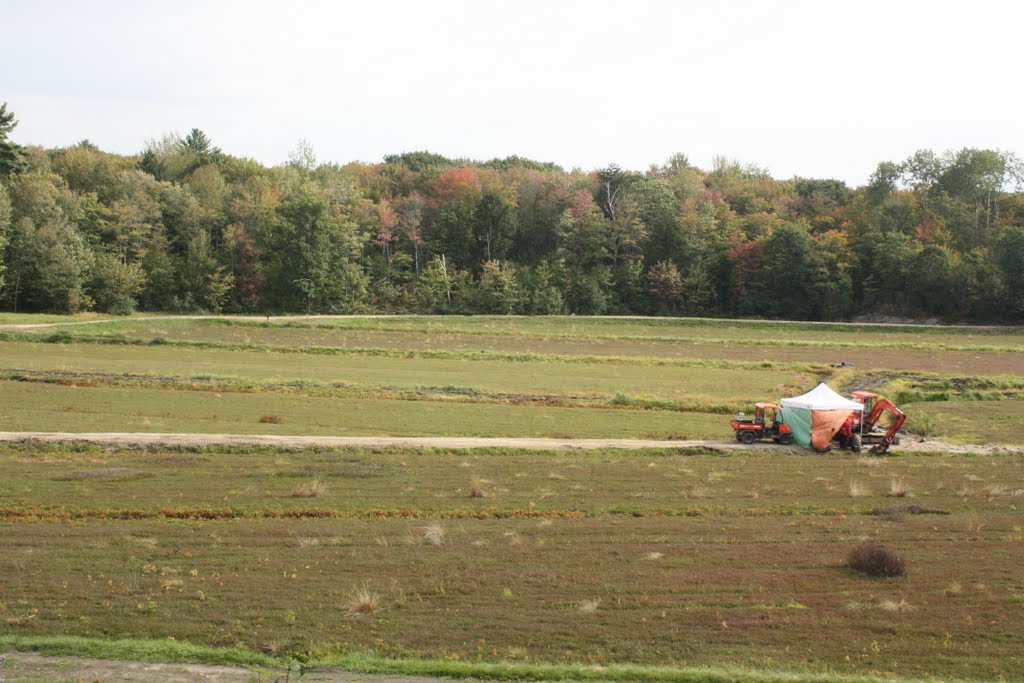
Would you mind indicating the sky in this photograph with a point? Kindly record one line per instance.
(813, 89)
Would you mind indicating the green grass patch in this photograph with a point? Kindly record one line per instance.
(49, 407)
(969, 422)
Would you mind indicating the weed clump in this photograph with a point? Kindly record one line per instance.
(434, 533)
(898, 487)
(363, 602)
(314, 488)
(874, 559)
(476, 487)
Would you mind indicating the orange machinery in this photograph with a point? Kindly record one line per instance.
(765, 425)
(871, 432)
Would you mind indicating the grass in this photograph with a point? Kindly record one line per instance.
(364, 601)
(974, 421)
(115, 557)
(433, 484)
(31, 407)
(604, 565)
(314, 488)
(498, 376)
(966, 352)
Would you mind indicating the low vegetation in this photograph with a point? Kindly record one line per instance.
(469, 562)
(209, 546)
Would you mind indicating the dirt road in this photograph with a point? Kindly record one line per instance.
(142, 439)
(17, 666)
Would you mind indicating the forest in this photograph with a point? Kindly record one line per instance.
(183, 226)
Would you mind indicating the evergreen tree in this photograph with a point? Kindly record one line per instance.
(12, 155)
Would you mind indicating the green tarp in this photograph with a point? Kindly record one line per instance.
(799, 420)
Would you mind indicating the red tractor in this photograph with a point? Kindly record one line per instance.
(870, 431)
(765, 425)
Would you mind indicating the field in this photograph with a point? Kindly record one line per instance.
(674, 558)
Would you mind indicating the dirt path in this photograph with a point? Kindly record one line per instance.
(142, 439)
(16, 666)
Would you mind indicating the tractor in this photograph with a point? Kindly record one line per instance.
(765, 425)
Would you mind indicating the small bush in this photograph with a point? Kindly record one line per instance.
(874, 559)
(273, 419)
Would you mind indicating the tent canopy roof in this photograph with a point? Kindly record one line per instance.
(821, 397)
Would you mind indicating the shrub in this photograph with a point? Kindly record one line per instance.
(874, 559)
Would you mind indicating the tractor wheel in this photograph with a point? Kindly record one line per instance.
(785, 439)
(855, 443)
(747, 437)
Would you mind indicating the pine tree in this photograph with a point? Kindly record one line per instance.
(12, 156)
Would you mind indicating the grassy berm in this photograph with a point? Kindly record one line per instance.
(651, 558)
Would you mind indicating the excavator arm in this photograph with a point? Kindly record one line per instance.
(884, 405)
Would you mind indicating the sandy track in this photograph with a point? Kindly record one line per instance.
(143, 439)
(135, 439)
(16, 666)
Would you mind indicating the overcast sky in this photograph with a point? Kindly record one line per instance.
(822, 89)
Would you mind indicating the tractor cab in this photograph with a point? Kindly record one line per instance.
(764, 425)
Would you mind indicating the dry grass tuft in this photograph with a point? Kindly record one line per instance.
(273, 419)
(858, 489)
(434, 533)
(898, 487)
(974, 524)
(588, 606)
(314, 488)
(874, 559)
(363, 602)
(476, 487)
(896, 606)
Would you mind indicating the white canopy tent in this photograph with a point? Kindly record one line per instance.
(816, 417)
(821, 397)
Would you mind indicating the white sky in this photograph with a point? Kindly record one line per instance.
(818, 89)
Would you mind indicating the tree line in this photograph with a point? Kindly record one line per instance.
(184, 226)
